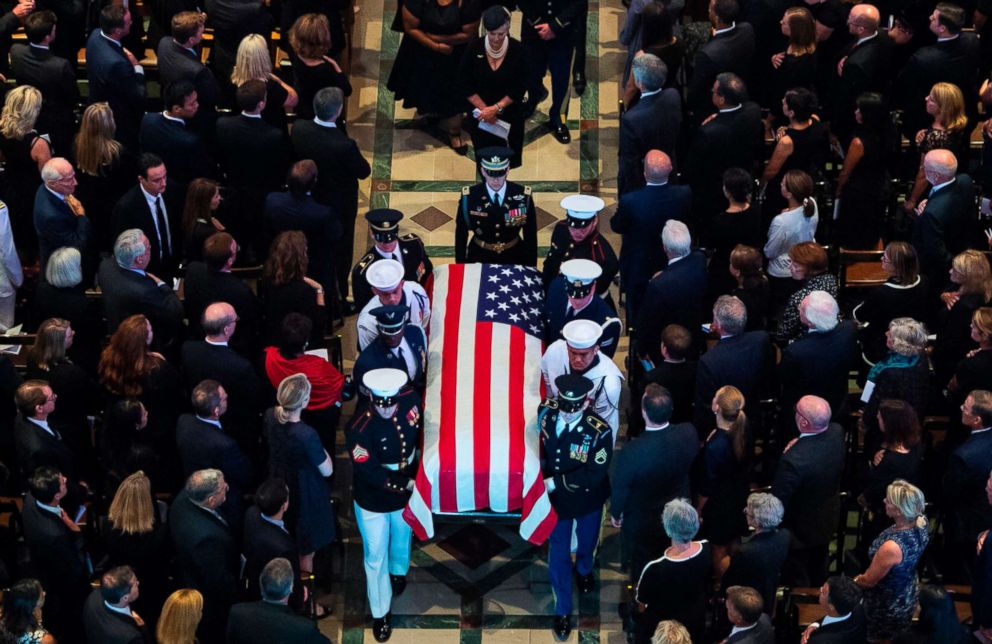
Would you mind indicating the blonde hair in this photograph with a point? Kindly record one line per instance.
(976, 276)
(982, 319)
(670, 631)
(950, 106)
(909, 500)
(20, 111)
(132, 511)
(293, 395)
(181, 614)
(252, 62)
(49, 343)
(95, 145)
(730, 407)
(310, 36)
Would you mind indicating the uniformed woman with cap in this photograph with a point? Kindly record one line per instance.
(500, 215)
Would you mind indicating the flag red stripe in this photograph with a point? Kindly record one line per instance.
(480, 412)
(543, 531)
(518, 363)
(447, 432)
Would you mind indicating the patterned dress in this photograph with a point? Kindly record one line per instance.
(889, 606)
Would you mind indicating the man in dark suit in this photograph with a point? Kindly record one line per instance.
(819, 362)
(742, 359)
(114, 74)
(807, 481)
(231, 21)
(966, 508)
(650, 472)
(864, 68)
(57, 551)
(254, 156)
(154, 209)
(34, 64)
(640, 217)
(10, 22)
(169, 136)
(272, 620)
(107, 614)
(730, 138)
(652, 124)
(941, 230)
(296, 209)
(211, 281)
(981, 586)
(179, 60)
(59, 219)
(675, 296)
(266, 537)
(844, 622)
(746, 611)
(340, 165)
(676, 372)
(206, 552)
(129, 289)
(39, 444)
(729, 50)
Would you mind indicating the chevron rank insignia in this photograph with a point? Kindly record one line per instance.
(359, 454)
(600, 457)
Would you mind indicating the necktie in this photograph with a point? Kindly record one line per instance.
(69, 523)
(75, 205)
(496, 199)
(569, 314)
(164, 243)
(137, 619)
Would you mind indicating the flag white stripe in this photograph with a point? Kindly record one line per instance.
(499, 421)
(464, 405)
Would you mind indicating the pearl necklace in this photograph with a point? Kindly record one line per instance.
(497, 54)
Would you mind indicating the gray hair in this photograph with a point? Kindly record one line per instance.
(941, 162)
(64, 268)
(650, 71)
(821, 310)
(327, 103)
(130, 245)
(52, 170)
(676, 239)
(909, 337)
(293, 394)
(680, 520)
(731, 314)
(203, 484)
(765, 510)
(276, 580)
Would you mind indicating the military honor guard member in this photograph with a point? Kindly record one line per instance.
(500, 215)
(385, 277)
(571, 296)
(577, 237)
(384, 224)
(382, 442)
(576, 447)
(398, 346)
(578, 353)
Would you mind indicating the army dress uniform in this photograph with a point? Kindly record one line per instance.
(581, 213)
(384, 457)
(576, 448)
(409, 251)
(409, 354)
(503, 224)
(573, 286)
(387, 276)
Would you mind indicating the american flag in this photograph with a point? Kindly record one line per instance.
(481, 444)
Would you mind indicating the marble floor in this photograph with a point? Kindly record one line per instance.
(454, 595)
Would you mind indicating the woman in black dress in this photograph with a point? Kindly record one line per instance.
(796, 66)
(975, 371)
(898, 458)
(313, 69)
(740, 223)
(435, 33)
(61, 294)
(199, 217)
(253, 63)
(862, 186)
(658, 38)
(746, 266)
(972, 280)
(492, 73)
(721, 473)
(126, 445)
(945, 103)
(285, 288)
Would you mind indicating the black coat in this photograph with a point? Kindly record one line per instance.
(942, 231)
(82, 312)
(967, 508)
(981, 589)
(758, 564)
(852, 630)
(104, 626)
(54, 78)
(37, 448)
(176, 63)
(677, 296)
(951, 61)
(182, 149)
(762, 633)
(340, 165)
(679, 378)
(866, 69)
(246, 393)
(202, 446)
(730, 51)
(577, 461)
(203, 286)
(416, 264)
(132, 211)
(745, 361)
(232, 20)
(112, 78)
(731, 139)
(253, 154)
(57, 226)
(651, 124)
(265, 541)
(126, 293)
(263, 622)
(319, 223)
(819, 364)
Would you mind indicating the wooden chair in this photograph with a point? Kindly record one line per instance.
(860, 268)
(962, 601)
(22, 340)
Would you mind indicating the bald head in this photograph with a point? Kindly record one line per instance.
(812, 414)
(218, 321)
(940, 166)
(657, 166)
(863, 20)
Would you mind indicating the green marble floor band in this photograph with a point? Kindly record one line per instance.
(456, 186)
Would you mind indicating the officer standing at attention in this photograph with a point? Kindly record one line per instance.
(500, 214)
(388, 286)
(382, 442)
(571, 296)
(577, 237)
(578, 353)
(575, 456)
(384, 224)
(399, 346)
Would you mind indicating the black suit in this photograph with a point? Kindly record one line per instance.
(730, 51)
(232, 20)
(652, 124)
(818, 364)
(36, 448)
(674, 297)
(246, 400)
(265, 541)
(866, 69)
(679, 378)
(264, 622)
(54, 78)
(182, 149)
(967, 509)
(112, 78)
(951, 61)
(762, 633)
(981, 589)
(640, 217)
(852, 630)
(133, 211)
(340, 165)
(104, 626)
(745, 361)
(207, 560)
(318, 222)
(57, 226)
(758, 564)
(202, 445)
(807, 482)
(176, 63)
(203, 286)
(126, 293)
(732, 139)
(942, 231)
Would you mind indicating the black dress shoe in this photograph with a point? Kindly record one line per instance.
(562, 628)
(381, 628)
(579, 82)
(398, 582)
(585, 582)
(348, 308)
(560, 132)
(530, 105)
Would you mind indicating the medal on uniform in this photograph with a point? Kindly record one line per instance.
(516, 216)
(413, 416)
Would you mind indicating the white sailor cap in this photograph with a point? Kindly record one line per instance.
(582, 207)
(584, 271)
(384, 384)
(385, 274)
(581, 334)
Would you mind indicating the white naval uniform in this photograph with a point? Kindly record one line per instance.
(416, 300)
(607, 382)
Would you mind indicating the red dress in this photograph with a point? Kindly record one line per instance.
(326, 382)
